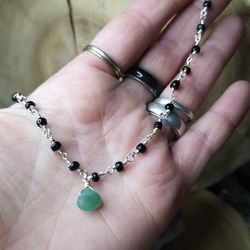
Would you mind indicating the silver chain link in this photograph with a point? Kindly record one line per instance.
(203, 15)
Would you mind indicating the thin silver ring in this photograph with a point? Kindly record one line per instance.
(106, 58)
(184, 112)
(173, 120)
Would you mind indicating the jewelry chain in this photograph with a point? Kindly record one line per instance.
(197, 38)
(182, 74)
(130, 157)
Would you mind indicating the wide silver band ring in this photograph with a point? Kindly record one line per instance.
(184, 112)
(106, 58)
(173, 120)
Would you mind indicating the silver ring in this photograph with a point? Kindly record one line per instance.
(184, 113)
(173, 120)
(106, 58)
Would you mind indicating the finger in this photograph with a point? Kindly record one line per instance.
(208, 65)
(204, 138)
(167, 55)
(126, 37)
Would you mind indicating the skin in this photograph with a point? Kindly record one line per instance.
(99, 120)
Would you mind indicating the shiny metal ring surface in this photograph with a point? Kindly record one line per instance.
(146, 79)
(106, 58)
(181, 110)
(173, 120)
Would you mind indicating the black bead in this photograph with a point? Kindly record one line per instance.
(74, 165)
(196, 49)
(158, 125)
(29, 104)
(186, 70)
(170, 107)
(141, 147)
(95, 177)
(14, 96)
(119, 166)
(41, 122)
(201, 27)
(55, 145)
(207, 4)
(175, 84)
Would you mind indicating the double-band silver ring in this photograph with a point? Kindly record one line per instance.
(106, 58)
(181, 110)
(173, 120)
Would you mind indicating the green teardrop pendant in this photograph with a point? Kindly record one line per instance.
(89, 199)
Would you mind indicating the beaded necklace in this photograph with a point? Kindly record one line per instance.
(88, 198)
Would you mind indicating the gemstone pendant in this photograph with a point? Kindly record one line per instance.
(89, 199)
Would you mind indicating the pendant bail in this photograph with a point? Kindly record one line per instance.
(84, 177)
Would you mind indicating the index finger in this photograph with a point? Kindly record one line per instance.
(127, 36)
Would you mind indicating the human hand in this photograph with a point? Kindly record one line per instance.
(99, 120)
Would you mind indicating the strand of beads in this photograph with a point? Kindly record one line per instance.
(88, 199)
(42, 123)
(186, 70)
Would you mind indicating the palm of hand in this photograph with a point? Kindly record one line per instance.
(99, 120)
(97, 127)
